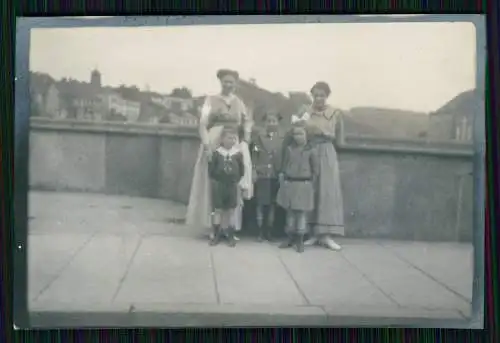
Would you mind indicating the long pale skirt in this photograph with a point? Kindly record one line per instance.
(328, 214)
(199, 210)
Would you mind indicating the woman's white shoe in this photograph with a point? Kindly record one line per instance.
(311, 241)
(330, 243)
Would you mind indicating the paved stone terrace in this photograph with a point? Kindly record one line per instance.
(102, 253)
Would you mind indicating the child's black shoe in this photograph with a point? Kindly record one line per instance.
(264, 234)
(267, 234)
(300, 244)
(216, 237)
(288, 243)
(260, 237)
(231, 240)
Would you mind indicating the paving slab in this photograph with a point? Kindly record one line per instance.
(450, 263)
(172, 307)
(255, 283)
(196, 315)
(389, 311)
(184, 315)
(231, 314)
(390, 316)
(326, 278)
(95, 273)
(399, 280)
(170, 270)
(48, 255)
(47, 305)
(253, 273)
(49, 212)
(42, 226)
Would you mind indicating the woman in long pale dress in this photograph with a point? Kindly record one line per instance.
(219, 110)
(324, 131)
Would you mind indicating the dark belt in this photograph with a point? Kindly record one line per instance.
(298, 179)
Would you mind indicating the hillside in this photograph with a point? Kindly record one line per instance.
(369, 121)
(386, 122)
(464, 104)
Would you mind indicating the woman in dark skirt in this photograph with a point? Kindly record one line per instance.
(266, 158)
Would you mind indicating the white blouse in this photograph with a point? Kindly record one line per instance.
(207, 108)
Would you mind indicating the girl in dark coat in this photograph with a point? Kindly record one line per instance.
(296, 193)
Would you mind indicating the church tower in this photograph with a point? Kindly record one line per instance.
(95, 78)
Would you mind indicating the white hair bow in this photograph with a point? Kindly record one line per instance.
(304, 117)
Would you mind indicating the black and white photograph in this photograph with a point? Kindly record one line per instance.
(306, 170)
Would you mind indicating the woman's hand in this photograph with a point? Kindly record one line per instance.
(254, 175)
(244, 193)
(244, 145)
(208, 150)
(247, 137)
(313, 130)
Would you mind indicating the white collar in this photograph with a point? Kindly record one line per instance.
(227, 153)
(227, 98)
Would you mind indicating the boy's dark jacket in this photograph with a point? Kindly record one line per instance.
(266, 153)
(217, 170)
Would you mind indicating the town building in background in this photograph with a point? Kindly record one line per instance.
(72, 99)
(174, 103)
(181, 109)
(114, 103)
(152, 113)
(455, 120)
(78, 100)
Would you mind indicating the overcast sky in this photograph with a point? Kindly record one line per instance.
(411, 66)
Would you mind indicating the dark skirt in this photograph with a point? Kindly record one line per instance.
(265, 191)
(224, 195)
(296, 195)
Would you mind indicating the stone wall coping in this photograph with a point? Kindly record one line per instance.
(354, 143)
